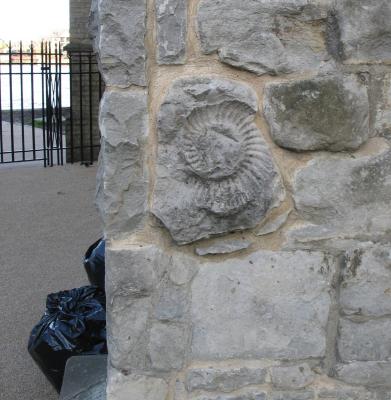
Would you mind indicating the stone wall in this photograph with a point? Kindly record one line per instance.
(245, 189)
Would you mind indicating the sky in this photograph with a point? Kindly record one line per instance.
(32, 19)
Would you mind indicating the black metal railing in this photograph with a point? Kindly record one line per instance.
(49, 102)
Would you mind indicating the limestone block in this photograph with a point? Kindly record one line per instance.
(345, 393)
(224, 380)
(366, 373)
(122, 176)
(380, 101)
(167, 346)
(292, 377)
(171, 17)
(365, 341)
(365, 30)
(366, 282)
(132, 387)
(172, 302)
(121, 49)
(214, 172)
(326, 113)
(249, 395)
(270, 304)
(344, 197)
(265, 37)
(132, 275)
(307, 395)
(223, 247)
(274, 224)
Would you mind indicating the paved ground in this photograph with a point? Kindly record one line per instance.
(47, 221)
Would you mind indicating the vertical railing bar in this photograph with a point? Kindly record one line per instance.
(90, 107)
(32, 98)
(21, 99)
(11, 101)
(56, 104)
(60, 102)
(49, 104)
(43, 106)
(71, 66)
(81, 108)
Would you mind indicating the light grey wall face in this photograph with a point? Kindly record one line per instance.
(244, 186)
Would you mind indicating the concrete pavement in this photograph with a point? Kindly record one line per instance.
(47, 222)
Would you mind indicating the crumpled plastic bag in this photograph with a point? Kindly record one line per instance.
(74, 324)
(94, 263)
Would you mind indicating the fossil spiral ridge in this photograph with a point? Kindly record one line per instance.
(226, 157)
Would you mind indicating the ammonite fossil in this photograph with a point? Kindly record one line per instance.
(225, 157)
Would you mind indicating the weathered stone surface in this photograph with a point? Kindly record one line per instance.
(370, 373)
(307, 395)
(344, 197)
(172, 302)
(380, 102)
(252, 395)
(126, 387)
(121, 49)
(122, 176)
(326, 113)
(366, 282)
(269, 304)
(224, 247)
(292, 377)
(265, 37)
(365, 341)
(132, 275)
(215, 173)
(274, 225)
(365, 30)
(171, 17)
(182, 269)
(167, 346)
(224, 380)
(342, 393)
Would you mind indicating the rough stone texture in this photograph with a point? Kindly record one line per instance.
(172, 303)
(364, 29)
(365, 341)
(252, 395)
(327, 113)
(292, 377)
(171, 17)
(120, 38)
(343, 197)
(269, 304)
(122, 176)
(211, 152)
(307, 395)
(129, 288)
(366, 373)
(167, 346)
(126, 387)
(265, 37)
(224, 380)
(342, 393)
(274, 225)
(380, 101)
(366, 282)
(224, 247)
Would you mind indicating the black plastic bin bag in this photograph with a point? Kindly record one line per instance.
(94, 263)
(74, 324)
